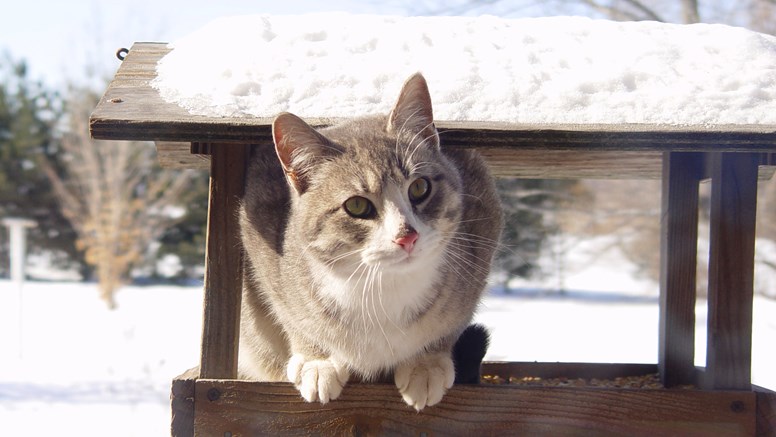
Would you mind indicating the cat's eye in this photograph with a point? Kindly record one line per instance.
(359, 207)
(419, 190)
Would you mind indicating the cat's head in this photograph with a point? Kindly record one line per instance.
(372, 191)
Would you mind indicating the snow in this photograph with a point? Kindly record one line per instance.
(73, 367)
(538, 70)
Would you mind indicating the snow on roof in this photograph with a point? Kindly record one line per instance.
(566, 70)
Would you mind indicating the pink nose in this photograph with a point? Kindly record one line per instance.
(407, 242)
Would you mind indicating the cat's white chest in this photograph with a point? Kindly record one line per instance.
(395, 297)
(381, 310)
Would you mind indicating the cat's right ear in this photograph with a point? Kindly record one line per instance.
(298, 147)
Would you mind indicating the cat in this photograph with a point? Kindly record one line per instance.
(368, 247)
(468, 352)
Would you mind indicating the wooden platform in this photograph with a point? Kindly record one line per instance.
(732, 157)
(244, 408)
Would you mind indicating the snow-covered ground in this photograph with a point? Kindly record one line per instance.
(73, 367)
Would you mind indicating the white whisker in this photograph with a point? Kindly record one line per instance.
(400, 133)
(374, 308)
(385, 313)
(408, 160)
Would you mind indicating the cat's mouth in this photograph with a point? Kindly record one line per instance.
(398, 260)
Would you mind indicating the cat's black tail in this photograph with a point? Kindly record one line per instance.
(468, 353)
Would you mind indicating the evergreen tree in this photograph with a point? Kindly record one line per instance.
(528, 204)
(29, 114)
(186, 239)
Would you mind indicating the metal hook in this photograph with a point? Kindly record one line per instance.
(122, 53)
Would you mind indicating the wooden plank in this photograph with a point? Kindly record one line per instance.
(229, 407)
(506, 162)
(175, 155)
(582, 164)
(223, 263)
(678, 263)
(631, 137)
(731, 268)
(766, 412)
(526, 164)
(132, 109)
(182, 404)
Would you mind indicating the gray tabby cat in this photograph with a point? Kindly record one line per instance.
(368, 248)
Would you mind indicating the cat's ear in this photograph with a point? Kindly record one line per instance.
(412, 113)
(299, 147)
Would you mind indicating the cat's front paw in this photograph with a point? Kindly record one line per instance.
(317, 380)
(423, 382)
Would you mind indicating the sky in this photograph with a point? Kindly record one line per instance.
(62, 40)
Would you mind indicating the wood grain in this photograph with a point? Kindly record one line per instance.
(223, 262)
(249, 408)
(520, 163)
(731, 268)
(177, 155)
(678, 263)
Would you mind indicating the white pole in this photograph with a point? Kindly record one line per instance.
(17, 229)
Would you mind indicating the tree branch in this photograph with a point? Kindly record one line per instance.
(648, 13)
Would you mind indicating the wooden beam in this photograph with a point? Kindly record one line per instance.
(177, 155)
(582, 164)
(251, 408)
(504, 162)
(223, 263)
(678, 263)
(731, 268)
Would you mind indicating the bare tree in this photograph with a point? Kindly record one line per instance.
(624, 10)
(759, 15)
(762, 16)
(113, 195)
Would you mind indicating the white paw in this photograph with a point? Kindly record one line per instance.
(422, 383)
(317, 380)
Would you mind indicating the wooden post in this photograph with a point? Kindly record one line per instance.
(182, 404)
(766, 412)
(223, 263)
(678, 258)
(731, 268)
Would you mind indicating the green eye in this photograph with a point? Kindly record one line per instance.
(359, 207)
(419, 190)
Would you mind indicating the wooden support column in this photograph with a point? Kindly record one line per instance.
(731, 268)
(678, 258)
(223, 263)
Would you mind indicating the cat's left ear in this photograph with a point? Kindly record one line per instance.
(299, 147)
(412, 113)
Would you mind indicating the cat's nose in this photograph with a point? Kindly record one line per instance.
(407, 240)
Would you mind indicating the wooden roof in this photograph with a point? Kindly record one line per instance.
(132, 110)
